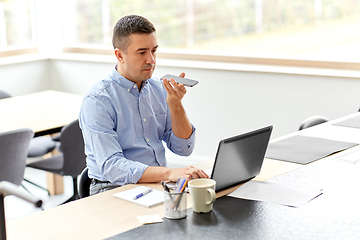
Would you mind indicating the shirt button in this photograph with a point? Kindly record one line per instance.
(128, 90)
(144, 119)
(147, 140)
(134, 86)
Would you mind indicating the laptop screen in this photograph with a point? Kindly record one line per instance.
(239, 159)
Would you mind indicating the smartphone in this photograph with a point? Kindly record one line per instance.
(186, 81)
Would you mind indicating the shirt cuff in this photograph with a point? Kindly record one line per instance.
(135, 173)
(183, 147)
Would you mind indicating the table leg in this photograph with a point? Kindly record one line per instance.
(55, 183)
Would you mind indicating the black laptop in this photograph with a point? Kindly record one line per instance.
(239, 159)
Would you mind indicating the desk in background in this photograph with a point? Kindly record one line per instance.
(45, 113)
(103, 216)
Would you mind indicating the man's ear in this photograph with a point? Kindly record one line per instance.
(119, 55)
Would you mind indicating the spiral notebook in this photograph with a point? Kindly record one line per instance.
(153, 198)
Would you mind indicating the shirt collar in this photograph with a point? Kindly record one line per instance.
(125, 83)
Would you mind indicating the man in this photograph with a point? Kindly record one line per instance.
(126, 117)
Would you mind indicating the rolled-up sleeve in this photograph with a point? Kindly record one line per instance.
(180, 146)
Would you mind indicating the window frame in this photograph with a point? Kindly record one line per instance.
(9, 52)
(224, 58)
(49, 43)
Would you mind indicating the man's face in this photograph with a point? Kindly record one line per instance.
(138, 63)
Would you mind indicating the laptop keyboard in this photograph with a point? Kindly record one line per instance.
(208, 171)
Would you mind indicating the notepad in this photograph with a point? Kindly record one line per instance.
(151, 199)
(148, 219)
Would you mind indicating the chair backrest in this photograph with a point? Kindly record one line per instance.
(312, 121)
(4, 95)
(72, 147)
(84, 184)
(13, 153)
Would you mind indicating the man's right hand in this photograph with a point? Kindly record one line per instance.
(158, 174)
(187, 173)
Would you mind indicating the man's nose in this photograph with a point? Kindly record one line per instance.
(151, 58)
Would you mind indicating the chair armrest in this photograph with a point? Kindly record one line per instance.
(56, 137)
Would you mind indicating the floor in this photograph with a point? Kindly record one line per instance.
(16, 207)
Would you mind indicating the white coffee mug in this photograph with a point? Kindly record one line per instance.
(202, 192)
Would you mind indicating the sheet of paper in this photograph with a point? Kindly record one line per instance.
(148, 219)
(353, 122)
(304, 149)
(353, 157)
(288, 195)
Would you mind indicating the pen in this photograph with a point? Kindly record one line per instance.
(143, 193)
(183, 186)
(178, 199)
(166, 188)
(179, 184)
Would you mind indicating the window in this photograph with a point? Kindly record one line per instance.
(16, 24)
(315, 29)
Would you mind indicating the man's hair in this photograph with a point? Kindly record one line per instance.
(128, 25)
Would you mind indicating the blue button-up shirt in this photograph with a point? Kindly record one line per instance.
(124, 129)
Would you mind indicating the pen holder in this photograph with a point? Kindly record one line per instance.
(175, 205)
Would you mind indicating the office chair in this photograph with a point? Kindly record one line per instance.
(13, 152)
(4, 94)
(6, 189)
(71, 161)
(312, 121)
(38, 146)
(84, 184)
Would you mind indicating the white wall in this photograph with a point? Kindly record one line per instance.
(76, 76)
(224, 103)
(25, 77)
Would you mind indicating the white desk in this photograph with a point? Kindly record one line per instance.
(43, 112)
